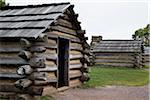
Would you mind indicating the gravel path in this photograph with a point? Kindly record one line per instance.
(106, 93)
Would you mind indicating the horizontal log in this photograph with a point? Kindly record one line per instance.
(63, 29)
(18, 49)
(50, 63)
(13, 61)
(7, 96)
(113, 61)
(116, 57)
(64, 23)
(75, 62)
(30, 90)
(52, 57)
(38, 76)
(11, 76)
(75, 73)
(75, 82)
(43, 76)
(9, 49)
(47, 69)
(47, 82)
(76, 48)
(23, 83)
(75, 66)
(72, 57)
(115, 64)
(39, 49)
(57, 34)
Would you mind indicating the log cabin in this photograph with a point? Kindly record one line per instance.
(123, 53)
(42, 50)
(146, 56)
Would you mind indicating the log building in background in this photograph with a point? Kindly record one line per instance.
(146, 55)
(42, 49)
(127, 53)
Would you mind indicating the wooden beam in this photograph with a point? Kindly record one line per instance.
(31, 90)
(11, 76)
(38, 49)
(47, 69)
(13, 61)
(47, 82)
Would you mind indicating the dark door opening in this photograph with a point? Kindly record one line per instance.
(63, 62)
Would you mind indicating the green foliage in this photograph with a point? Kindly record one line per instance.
(143, 34)
(103, 76)
(2, 3)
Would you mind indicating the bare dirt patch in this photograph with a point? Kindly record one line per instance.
(105, 93)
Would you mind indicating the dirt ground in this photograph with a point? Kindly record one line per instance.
(106, 93)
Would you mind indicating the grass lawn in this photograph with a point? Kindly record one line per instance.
(102, 76)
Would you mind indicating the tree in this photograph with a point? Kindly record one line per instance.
(2, 3)
(143, 34)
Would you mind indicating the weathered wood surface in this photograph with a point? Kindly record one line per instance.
(13, 61)
(74, 82)
(25, 43)
(116, 64)
(25, 54)
(31, 90)
(23, 83)
(25, 70)
(75, 73)
(11, 76)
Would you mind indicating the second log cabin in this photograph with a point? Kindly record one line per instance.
(122, 53)
(42, 48)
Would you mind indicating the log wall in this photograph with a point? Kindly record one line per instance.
(30, 66)
(118, 59)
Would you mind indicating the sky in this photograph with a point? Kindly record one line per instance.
(112, 19)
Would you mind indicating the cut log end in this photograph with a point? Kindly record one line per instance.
(23, 83)
(25, 43)
(25, 54)
(25, 70)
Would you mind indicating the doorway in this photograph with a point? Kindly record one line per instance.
(63, 62)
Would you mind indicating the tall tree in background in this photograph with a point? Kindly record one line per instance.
(143, 34)
(2, 3)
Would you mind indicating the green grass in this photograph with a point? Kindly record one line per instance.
(46, 98)
(102, 76)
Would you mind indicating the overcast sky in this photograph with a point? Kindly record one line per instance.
(112, 19)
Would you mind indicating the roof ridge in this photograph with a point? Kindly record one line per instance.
(34, 6)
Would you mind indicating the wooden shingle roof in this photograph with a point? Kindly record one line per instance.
(117, 46)
(29, 21)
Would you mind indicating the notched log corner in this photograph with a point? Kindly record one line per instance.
(25, 43)
(23, 84)
(25, 54)
(84, 77)
(25, 70)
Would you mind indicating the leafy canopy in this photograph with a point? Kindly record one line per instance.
(143, 34)
(2, 3)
